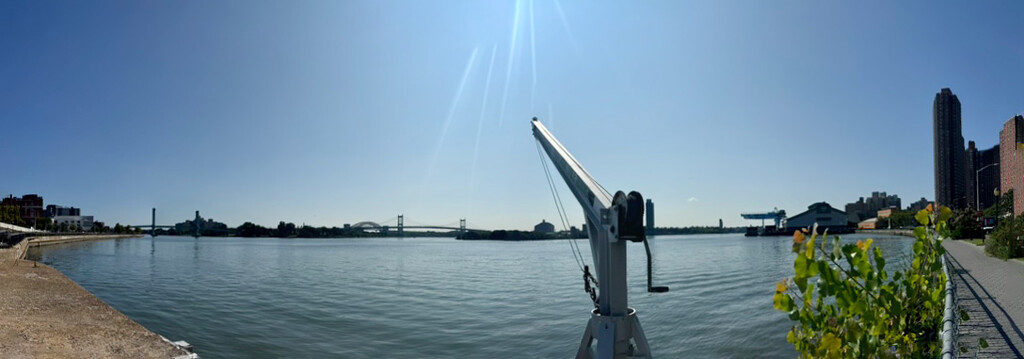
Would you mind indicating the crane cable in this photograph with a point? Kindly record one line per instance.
(576, 254)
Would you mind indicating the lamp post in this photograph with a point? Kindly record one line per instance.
(977, 193)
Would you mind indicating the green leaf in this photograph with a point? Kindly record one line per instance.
(800, 266)
(922, 217)
(879, 260)
(963, 316)
(945, 214)
(830, 342)
(982, 343)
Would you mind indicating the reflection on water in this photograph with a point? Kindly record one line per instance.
(439, 298)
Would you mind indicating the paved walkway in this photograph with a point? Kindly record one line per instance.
(992, 292)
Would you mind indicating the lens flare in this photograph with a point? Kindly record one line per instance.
(533, 59)
(480, 122)
(454, 106)
(511, 58)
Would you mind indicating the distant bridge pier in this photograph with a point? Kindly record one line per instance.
(152, 227)
(462, 227)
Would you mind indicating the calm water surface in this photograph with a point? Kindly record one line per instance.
(433, 298)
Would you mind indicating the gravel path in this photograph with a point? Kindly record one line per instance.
(992, 292)
(43, 314)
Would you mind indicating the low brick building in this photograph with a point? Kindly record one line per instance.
(31, 207)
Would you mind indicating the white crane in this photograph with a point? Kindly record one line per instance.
(611, 221)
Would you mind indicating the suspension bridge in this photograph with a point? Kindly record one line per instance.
(384, 227)
(399, 225)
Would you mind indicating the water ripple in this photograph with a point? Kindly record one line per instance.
(431, 298)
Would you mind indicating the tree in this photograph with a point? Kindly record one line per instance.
(966, 224)
(11, 215)
(310, 232)
(118, 228)
(44, 224)
(1003, 207)
(285, 230)
(249, 229)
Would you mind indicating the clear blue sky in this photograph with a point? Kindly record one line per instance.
(333, 112)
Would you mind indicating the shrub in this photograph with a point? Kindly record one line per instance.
(966, 224)
(1007, 241)
(846, 304)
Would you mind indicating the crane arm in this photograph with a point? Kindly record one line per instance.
(594, 199)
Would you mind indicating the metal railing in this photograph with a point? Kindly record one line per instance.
(950, 333)
(12, 227)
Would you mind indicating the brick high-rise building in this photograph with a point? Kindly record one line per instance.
(1011, 161)
(950, 163)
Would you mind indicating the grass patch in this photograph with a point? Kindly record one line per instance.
(977, 242)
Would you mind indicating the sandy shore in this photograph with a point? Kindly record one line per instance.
(43, 314)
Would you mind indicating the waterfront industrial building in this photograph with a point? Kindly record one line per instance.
(83, 223)
(544, 227)
(827, 218)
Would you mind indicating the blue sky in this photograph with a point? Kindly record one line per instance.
(333, 112)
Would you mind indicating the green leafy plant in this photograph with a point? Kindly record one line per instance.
(847, 305)
(1007, 241)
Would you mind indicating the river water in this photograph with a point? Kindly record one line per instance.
(433, 298)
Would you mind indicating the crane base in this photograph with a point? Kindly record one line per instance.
(616, 336)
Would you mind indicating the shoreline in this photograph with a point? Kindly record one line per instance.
(45, 314)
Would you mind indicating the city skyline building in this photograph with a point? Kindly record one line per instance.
(863, 209)
(53, 210)
(971, 167)
(950, 166)
(984, 173)
(649, 212)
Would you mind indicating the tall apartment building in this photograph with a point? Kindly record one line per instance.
(1011, 161)
(969, 170)
(984, 176)
(950, 162)
(650, 217)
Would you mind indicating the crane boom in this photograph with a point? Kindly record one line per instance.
(591, 196)
(611, 221)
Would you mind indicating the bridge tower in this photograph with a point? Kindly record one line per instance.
(401, 226)
(462, 227)
(152, 228)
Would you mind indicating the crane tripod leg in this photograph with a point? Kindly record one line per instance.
(621, 335)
